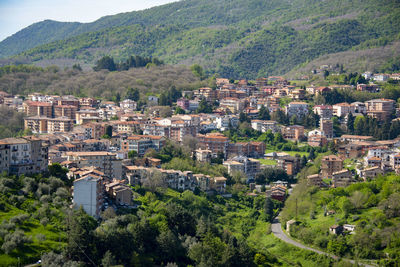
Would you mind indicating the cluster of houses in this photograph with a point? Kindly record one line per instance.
(372, 158)
(93, 138)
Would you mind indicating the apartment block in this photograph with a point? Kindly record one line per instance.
(23, 156)
(141, 143)
(294, 132)
(68, 111)
(88, 193)
(104, 161)
(330, 164)
(60, 125)
(216, 142)
(298, 109)
(34, 108)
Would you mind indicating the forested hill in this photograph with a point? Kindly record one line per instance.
(236, 38)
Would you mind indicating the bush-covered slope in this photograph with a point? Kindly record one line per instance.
(373, 207)
(235, 38)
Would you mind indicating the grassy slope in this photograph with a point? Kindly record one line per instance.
(55, 239)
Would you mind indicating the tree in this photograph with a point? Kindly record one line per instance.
(133, 94)
(105, 62)
(269, 209)
(263, 113)
(243, 117)
(132, 154)
(204, 107)
(179, 110)
(108, 259)
(56, 170)
(80, 239)
(197, 71)
(350, 123)
(109, 131)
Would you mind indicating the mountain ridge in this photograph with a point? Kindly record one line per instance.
(234, 38)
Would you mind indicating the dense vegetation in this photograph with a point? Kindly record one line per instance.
(32, 213)
(102, 84)
(372, 206)
(11, 122)
(235, 38)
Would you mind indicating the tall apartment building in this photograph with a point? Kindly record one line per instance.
(60, 125)
(105, 162)
(88, 194)
(330, 164)
(380, 109)
(68, 111)
(299, 109)
(326, 126)
(37, 124)
(216, 142)
(141, 143)
(23, 156)
(33, 108)
(293, 132)
(324, 111)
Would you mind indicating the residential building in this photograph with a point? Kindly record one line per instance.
(355, 138)
(25, 155)
(293, 132)
(235, 105)
(380, 108)
(371, 88)
(203, 155)
(141, 143)
(37, 124)
(317, 138)
(128, 104)
(225, 122)
(121, 193)
(298, 109)
(264, 125)
(330, 164)
(249, 166)
(68, 111)
(371, 173)
(60, 125)
(326, 126)
(216, 142)
(105, 162)
(218, 184)
(34, 108)
(315, 180)
(324, 111)
(88, 194)
(342, 178)
(342, 109)
(290, 164)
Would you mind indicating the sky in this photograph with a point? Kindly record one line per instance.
(18, 14)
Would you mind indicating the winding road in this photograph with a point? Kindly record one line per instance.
(276, 229)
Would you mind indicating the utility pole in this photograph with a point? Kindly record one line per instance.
(296, 209)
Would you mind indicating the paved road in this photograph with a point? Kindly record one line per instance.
(276, 229)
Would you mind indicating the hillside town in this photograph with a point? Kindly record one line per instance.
(108, 147)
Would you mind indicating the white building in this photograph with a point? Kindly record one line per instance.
(88, 193)
(299, 109)
(128, 104)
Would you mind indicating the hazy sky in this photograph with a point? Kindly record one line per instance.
(18, 14)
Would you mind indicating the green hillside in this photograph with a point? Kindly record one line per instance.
(235, 38)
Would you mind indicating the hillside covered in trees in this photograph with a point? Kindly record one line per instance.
(372, 206)
(239, 39)
(102, 84)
